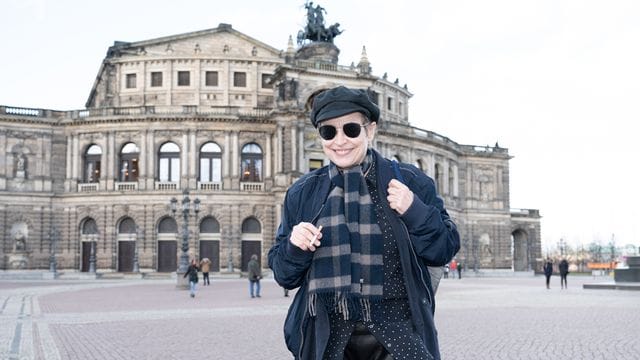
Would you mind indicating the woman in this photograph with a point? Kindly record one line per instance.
(192, 273)
(356, 237)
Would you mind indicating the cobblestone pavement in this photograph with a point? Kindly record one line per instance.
(477, 318)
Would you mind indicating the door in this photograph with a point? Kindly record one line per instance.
(211, 249)
(86, 253)
(126, 250)
(250, 247)
(167, 256)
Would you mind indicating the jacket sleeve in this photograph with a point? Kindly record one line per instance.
(433, 234)
(289, 263)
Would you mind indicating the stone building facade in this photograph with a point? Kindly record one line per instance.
(225, 117)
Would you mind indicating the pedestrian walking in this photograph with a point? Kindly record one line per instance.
(356, 239)
(563, 268)
(205, 266)
(254, 275)
(548, 271)
(446, 271)
(192, 273)
(459, 271)
(453, 266)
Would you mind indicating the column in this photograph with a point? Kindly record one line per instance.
(294, 149)
(301, 165)
(226, 156)
(267, 158)
(193, 158)
(234, 154)
(278, 149)
(150, 156)
(76, 157)
(184, 166)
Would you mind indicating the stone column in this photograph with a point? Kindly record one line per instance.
(150, 154)
(193, 158)
(142, 160)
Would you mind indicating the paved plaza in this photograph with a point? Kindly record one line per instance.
(477, 318)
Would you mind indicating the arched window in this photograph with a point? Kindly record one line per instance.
(127, 226)
(438, 177)
(251, 226)
(89, 227)
(92, 164)
(129, 156)
(210, 163)
(169, 157)
(167, 225)
(251, 166)
(209, 225)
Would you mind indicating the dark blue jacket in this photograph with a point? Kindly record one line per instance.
(425, 235)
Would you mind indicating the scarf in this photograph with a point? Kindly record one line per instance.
(346, 272)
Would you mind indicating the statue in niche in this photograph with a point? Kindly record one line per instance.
(19, 242)
(21, 166)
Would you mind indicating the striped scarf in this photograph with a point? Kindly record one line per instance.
(347, 273)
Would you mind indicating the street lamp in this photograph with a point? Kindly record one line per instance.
(136, 264)
(184, 256)
(561, 244)
(53, 236)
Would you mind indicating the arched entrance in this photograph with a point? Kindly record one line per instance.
(167, 245)
(88, 237)
(520, 251)
(126, 244)
(251, 241)
(210, 242)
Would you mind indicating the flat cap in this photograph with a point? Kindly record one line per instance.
(340, 101)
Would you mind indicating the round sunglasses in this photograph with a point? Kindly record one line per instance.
(352, 130)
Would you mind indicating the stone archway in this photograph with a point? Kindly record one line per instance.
(521, 254)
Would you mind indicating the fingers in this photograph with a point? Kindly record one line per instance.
(400, 196)
(306, 236)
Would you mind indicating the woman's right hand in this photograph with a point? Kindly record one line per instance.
(306, 236)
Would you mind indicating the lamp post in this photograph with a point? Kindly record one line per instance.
(183, 265)
(561, 246)
(53, 236)
(136, 265)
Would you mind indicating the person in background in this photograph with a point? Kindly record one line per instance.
(254, 275)
(192, 273)
(563, 269)
(459, 271)
(356, 239)
(205, 265)
(548, 271)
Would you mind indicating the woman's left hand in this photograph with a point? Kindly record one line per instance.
(400, 197)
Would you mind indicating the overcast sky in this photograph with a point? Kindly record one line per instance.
(556, 82)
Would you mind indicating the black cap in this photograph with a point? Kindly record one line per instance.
(340, 101)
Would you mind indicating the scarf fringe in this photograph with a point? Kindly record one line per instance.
(348, 305)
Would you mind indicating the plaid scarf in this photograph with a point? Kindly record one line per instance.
(347, 273)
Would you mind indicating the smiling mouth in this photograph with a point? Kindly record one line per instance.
(342, 151)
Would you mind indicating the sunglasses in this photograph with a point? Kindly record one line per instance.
(352, 130)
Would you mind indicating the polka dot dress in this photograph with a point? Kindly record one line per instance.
(392, 325)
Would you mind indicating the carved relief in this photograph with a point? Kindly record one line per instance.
(484, 185)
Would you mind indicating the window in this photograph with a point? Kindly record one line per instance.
(167, 226)
(131, 81)
(389, 103)
(127, 226)
(438, 177)
(184, 78)
(240, 79)
(129, 156)
(92, 158)
(209, 225)
(251, 226)
(211, 78)
(156, 79)
(251, 165)
(210, 163)
(266, 81)
(169, 169)
(89, 227)
(315, 164)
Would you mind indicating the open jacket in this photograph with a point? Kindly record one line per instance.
(425, 235)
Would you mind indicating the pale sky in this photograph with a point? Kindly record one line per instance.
(557, 82)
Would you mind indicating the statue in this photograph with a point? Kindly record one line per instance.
(20, 242)
(315, 29)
